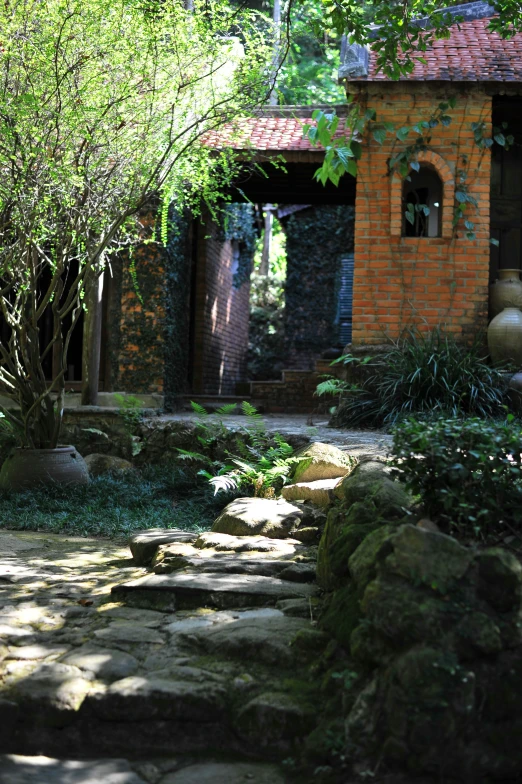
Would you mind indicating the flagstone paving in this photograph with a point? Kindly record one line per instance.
(110, 673)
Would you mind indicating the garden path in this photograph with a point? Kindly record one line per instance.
(112, 675)
(90, 678)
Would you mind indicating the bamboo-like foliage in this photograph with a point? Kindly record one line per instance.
(102, 105)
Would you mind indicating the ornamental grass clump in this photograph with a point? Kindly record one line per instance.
(424, 374)
(468, 473)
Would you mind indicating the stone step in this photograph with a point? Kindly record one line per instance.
(18, 769)
(190, 590)
(282, 569)
(217, 682)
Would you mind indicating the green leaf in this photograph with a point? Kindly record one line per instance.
(357, 149)
(379, 135)
(352, 168)
(402, 133)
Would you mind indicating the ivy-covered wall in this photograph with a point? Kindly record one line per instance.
(178, 271)
(317, 239)
(142, 325)
(149, 338)
(149, 313)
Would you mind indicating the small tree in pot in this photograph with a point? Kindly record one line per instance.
(101, 107)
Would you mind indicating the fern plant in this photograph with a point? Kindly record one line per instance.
(260, 463)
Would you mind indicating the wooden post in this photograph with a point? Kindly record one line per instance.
(92, 343)
(264, 266)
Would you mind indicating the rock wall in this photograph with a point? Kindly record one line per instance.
(149, 441)
(434, 635)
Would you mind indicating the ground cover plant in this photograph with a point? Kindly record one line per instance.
(467, 472)
(423, 374)
(116, 504)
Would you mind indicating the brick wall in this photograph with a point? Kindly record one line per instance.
(401, 281)
(221, 317)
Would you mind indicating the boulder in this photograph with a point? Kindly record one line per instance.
(98, 464)
(320, 492)
(362, 564)
(308, 535)
(144, 545)
(427, 558)
(322, 461)
(53, 693)
(261, 516)
(339, 540)
(371, 483)
(275, 720)
(500, 579)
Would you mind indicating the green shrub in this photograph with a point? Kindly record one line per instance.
(424, 373)
(467, 472)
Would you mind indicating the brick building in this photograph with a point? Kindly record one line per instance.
(434, 274)
(433, 271)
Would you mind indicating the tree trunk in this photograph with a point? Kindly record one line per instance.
(276, 16)
(264, 267)
(92, 343)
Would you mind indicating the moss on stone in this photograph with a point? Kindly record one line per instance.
(342, 615)
(370, 482)
(362, 563)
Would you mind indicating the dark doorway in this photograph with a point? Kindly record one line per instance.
(506, 187)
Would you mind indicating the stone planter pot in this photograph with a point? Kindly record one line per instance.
(28, 468)
(506, 292)
(505, 337)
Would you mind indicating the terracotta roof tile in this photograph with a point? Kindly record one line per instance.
(472, 53)
(262, 133)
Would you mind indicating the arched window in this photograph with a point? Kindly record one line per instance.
(422, 193)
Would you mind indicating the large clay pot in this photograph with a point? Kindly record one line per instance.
(29, 468)
(506, 292)
(505, 337)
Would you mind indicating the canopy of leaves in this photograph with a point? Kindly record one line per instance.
(103, 106)
(392, 27)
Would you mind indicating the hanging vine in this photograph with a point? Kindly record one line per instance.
(238, 224)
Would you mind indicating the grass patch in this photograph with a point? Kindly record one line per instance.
(116, 505)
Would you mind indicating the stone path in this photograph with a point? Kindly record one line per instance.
(190, 675)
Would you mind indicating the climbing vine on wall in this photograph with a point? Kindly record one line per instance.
(237, 224)
(340, 139)
(316, 240)
(177, 307)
